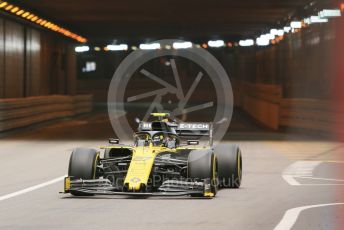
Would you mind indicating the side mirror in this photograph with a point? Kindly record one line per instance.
(193, 142)
(113, 141)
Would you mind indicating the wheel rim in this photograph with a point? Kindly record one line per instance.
(239, 166)
(214, 174)
(95, 166)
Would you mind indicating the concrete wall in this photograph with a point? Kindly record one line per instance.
(34, 62)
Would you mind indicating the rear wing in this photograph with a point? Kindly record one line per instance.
(194, 129)
(185, 129)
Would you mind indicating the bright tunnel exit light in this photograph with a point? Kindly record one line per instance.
(296, 25)
(80, 49)
(182, 45)
(152, 46)
(247, 42)
(216, 43)
(117, 47)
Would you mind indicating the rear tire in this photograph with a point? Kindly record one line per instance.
(229, 165)
(202, 166)
(82, 165)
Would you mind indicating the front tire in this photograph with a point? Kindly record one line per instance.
(82, 165)
(229, 165)
(202, 166)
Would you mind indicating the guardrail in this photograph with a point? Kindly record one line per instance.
(260, 101)
(20, 112)
(312, 114)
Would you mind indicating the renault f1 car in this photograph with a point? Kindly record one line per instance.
(166, 159)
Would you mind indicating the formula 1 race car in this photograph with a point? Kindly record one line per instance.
(157, 164)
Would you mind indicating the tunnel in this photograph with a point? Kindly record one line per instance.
(264, 75)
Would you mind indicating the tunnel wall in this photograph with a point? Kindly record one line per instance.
(21, 112)
(34, 62)
(303, 65)
(339, 68)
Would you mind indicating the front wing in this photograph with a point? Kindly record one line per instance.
(168, 188)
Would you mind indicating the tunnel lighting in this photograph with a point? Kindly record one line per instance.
(80, 49)
(14, 10)
(280, 32)
(296, 25)
(17, 11)
(24, 15)
(3, 4)
(48, 25)
(117, 47)
(9, 7)
(273, 31)
(247, 42)
(20, 12)
(152, 46)
(30, 16)
(262, 41)
(287, 29)
(182, 45)
(216, 43)
(295, 30)
(229, 44)
(315, 19)
(329, 13)
(268, 36)
(35, 18)
(43, 22)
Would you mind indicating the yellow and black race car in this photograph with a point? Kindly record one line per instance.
(159, 163)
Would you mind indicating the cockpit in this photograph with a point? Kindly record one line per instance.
(156, 138)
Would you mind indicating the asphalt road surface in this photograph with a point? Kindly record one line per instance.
(289, 182)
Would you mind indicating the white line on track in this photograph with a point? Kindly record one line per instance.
(291, 215)
(290, 180)
(299, 169)
(32, 188)
(321, 178)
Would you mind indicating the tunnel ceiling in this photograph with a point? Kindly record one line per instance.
(109, 19)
